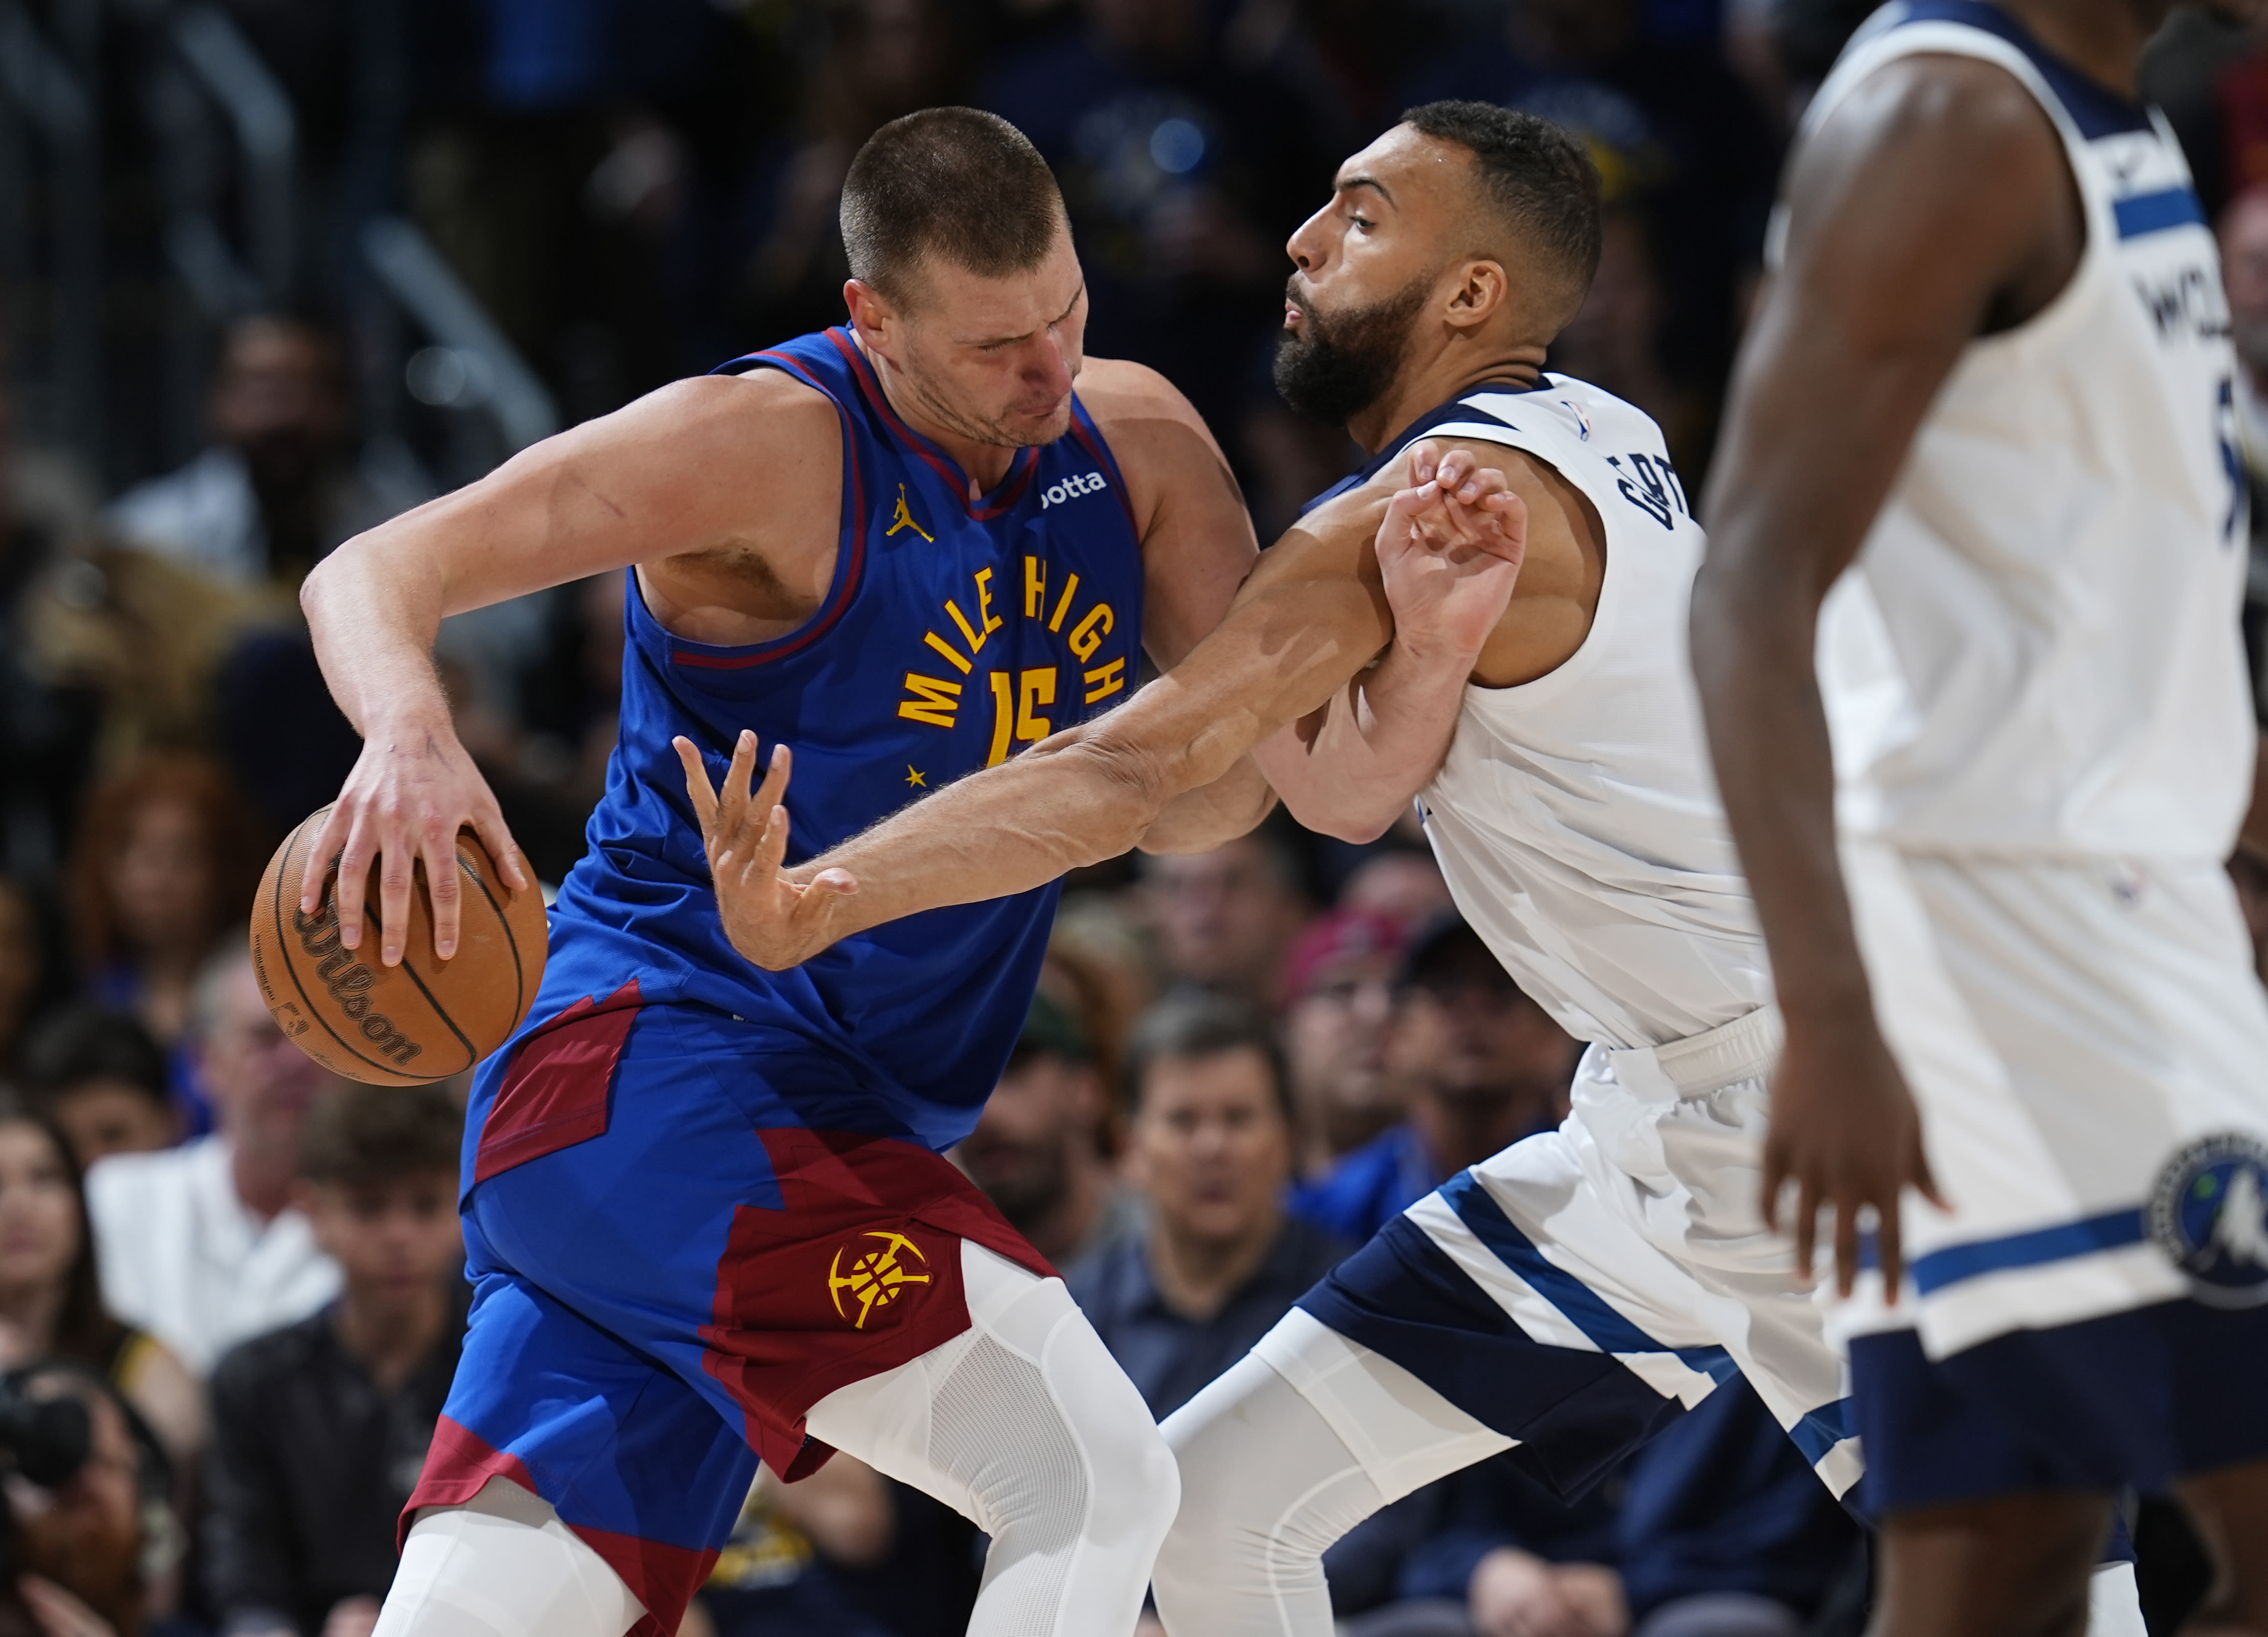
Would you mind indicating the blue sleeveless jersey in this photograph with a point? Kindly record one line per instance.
(956, 633)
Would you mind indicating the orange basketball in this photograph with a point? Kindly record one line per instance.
(423, 1019)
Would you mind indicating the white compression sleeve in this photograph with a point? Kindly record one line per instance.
(503, 1566)
(1025, 1425)
(1274, 1473)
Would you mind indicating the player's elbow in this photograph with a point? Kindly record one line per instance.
(1363, 822)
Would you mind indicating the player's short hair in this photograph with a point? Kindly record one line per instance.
(359, 1136)
(1202, 1025)
(956, 184)
(1539, 177)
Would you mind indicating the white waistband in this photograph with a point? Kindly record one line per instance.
(1743, 1049)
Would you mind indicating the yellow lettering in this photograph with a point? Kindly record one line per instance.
(1105, 679)
(1064, 606)
(1034, 687)
(975, 637)
(1035, 587)
(1085, 637)
(948, 650)
(1003, 717)
(935, 701)
(991, 621)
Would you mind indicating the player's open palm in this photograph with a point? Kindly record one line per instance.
(1846, 1136)
(774, 920)
(1450, 549)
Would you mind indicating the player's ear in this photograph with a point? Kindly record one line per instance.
(870, 312)
(1480, 292)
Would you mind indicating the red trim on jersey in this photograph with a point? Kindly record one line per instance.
(847, 588)
(556, 1092)
(1011, 489)
(663, 1577)
(796, 1312)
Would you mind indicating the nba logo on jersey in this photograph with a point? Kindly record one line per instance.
(2209, 1213)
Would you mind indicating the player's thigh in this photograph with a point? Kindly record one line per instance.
(2015, 1566)
(1022, 1420)
(640, 1465)
(2231, 1509)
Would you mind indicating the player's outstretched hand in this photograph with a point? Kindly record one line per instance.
(409, 794)
(772, 919)
(1450, 549)
(1846, 1135)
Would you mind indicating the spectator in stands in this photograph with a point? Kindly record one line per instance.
(2245, 270)
(91, 1548)
(782, 1570)
(165, 869)
(48, 725)
(102, 1077)
(1400, 881)
(281, 484)
(1338, 998)
(1209, 1147)
(51, 1299)
(1486, 1066)
(31, 973)
(319, 1428)
(1494, 1551)
(1224, 919)
(1726, 1531)
(1037, 1152)
(203, 1244)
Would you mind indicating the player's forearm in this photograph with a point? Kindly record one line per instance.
(374, 619)
(1378, 743)
(1753, 636)
(1074, 801)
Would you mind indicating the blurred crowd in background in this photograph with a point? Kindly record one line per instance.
(273, 270)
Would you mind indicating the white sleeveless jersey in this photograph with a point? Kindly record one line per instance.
(1576, 817)
(2038, 649)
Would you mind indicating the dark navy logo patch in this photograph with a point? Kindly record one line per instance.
(2209, 1213)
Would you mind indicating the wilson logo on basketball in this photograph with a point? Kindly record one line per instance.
(877, 1277)
(348, 980)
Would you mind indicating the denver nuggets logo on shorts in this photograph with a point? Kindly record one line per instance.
(877, 1277)
(2209, 1213)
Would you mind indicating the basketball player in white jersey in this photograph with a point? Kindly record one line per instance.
(1567, 1296)
(1990, 389)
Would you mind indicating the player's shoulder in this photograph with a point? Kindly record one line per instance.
(1916, 106)
(1128, 399)
(709, 423)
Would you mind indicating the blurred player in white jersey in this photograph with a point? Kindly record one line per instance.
(1992, 380)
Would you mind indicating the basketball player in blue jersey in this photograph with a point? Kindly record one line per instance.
(1983, 791)
(705, 1206)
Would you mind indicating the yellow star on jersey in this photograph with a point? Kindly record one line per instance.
(913, 776)
(903, 518)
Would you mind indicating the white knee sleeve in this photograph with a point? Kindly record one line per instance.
(1292, 1447)
(503, 1566)
(1025, 1425)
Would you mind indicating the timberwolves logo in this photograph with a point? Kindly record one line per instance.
(877, 1277)
(2209, 1211)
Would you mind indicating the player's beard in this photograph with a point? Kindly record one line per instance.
(1334, 367)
